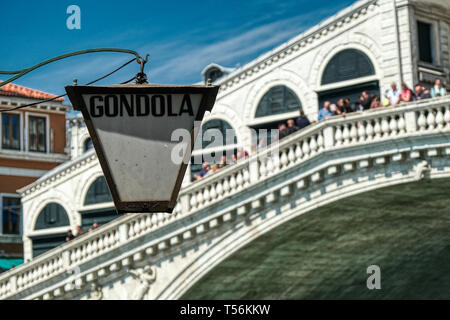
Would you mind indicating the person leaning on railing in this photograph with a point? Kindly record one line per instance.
(325, 112)
(421, 93)
(302, 121)
(405, 94)
(438, 90)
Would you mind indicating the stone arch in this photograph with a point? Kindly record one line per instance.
(356, 41)
(61, 215)
(86, 185)
(223, 117)
(361, 67)
(283, 96)
(99, 182)
(279, 77)
(222, 113)
(227, 113)
(60, 199)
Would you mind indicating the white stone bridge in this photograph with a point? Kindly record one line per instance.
(160, 256)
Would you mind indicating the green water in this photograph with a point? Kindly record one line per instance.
(324, 254)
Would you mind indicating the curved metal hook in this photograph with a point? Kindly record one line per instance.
(142, 61)
(20, 73)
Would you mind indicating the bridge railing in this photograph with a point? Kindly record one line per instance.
(428, 116)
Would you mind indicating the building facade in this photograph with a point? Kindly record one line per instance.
(364, 47)
(33, 141)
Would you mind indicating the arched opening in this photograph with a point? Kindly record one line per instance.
(53, 215)
(277, 105)
(346, 65)
(97, 194)
(215, 139)
(213, 74)
(278, 100)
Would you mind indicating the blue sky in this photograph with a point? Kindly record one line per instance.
(182, 37)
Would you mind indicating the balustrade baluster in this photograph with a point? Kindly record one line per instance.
(298, 152)
(206, 195)
(447, 116)
(199, 199)
(346, 134)
(148, 220)
(393, 126)
(320, 142)
(369, 130)
(361, 131)
(155, 221)
(193, 201)
(226, 186)
(246, 177)
(422, 121)
(384, 127)
(305, 148)
(430, 120)
(212, 192)
(338, 136)
(239, 180)
(353, 133)
(283, 159)
(291, 155)
(439, 119)
(313, 145)
(141, 224)
(219, 189)
(262, 168)
(269, 166)
(377, 129)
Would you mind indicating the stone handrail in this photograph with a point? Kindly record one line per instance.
(429, 116)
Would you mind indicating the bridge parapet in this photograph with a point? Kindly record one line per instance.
(116, 245)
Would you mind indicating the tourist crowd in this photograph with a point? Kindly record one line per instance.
(80, 231)
(392, 97)
(208, 169)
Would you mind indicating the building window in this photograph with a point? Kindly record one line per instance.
(425, 42)
(277, 100)
(347, 65)
(207, 146)
(213, 129)
(37, 134)
(53, 215)
(11, 215)
(98, 192)
(213, 75)
(10, 131)
(88, 145)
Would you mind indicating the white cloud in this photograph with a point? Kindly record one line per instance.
(183, 60)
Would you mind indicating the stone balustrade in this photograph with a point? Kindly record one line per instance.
(380, 125)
